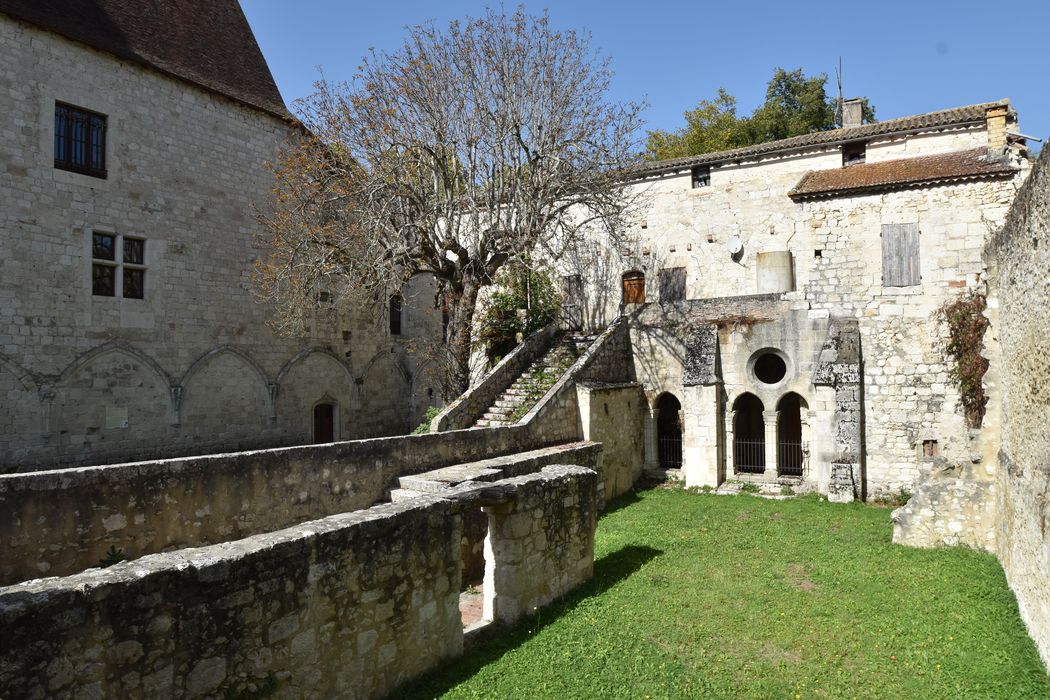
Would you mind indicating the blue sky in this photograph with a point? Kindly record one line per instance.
(906, 57)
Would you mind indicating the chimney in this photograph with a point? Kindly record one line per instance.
(852, 112)
(995, 121)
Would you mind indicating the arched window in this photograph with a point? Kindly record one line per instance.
(669, 431)
(790, 448)
(633, 287)
(749, 435)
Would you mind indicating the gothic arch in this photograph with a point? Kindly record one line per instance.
(406, 375)
(114, 347)
(206, 357)
(303, 354)
(24, 377)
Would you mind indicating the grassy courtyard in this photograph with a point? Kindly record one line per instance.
(737, 596)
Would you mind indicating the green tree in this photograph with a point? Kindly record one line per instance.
(795, 104)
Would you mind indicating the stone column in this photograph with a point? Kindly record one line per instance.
(771, 418)
(652, 449)
(730, 448)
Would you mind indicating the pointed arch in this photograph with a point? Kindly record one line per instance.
(303, 354)
(399, 366)
(24, 376)
(219, 350)
(114, 346)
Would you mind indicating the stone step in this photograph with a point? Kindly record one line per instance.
(496, 415)
(511, 402)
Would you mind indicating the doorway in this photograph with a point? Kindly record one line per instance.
(669, 431)
(789, 435)
(749, 435)
(324, 423)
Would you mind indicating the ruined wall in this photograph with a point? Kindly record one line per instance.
(1019, 258)
(193, 367)
(951, 507)
(63, 521)
(352, 605)
(541, 545)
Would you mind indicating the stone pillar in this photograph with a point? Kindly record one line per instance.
(771, 418)
(652, 450)
(842, 488)
(730, 448)
(700, 436)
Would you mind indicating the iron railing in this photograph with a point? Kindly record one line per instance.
(791, 457)
(670, 447)
(749, 456)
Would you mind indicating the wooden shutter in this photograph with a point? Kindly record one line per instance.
(634, 288)
(672, 284)
(900, 255)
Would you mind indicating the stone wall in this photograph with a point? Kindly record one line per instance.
(63, 521)
(1019, 258)
(951, 507)
(613, 414)
(352, 605)
(193, 367)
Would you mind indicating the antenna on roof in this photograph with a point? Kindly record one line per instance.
(838, 78)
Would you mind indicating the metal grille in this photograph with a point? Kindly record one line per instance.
(790, 457)
(749, 456)
(670, 451)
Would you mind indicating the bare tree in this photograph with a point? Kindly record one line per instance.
(487, 142)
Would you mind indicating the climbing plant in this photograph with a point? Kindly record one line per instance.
(519, 289)
(966, 326)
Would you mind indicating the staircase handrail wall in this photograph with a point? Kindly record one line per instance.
(465, 410)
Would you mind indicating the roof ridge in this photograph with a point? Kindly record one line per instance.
(952, 116)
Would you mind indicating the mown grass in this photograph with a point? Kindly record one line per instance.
(741, 597)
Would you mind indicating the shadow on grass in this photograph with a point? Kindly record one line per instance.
(608, 571)
(620, 502)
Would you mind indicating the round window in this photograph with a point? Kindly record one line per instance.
(770, 368)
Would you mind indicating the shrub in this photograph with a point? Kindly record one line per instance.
(424, 427)
(966, 327)
(519, 289)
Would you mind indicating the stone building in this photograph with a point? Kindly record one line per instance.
(784, 297)
(134, 150)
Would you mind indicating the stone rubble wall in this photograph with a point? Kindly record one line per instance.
(1019, 261)
(951, 507)
(63, 521)
(352, 605)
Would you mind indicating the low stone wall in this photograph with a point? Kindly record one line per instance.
(464, 411)
(63, 521)
(614, 415)
(1018, 258)
(541, 545)
(950, 508)
(352, 605)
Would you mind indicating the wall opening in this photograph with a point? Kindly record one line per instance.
(324, 422)
(473, 567)
(769, 368)
(790, 447)
(749, 435)
(669, 431)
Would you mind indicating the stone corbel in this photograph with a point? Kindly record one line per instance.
(175, 391)
(273, 402)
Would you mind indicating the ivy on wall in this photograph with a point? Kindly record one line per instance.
(966, 326)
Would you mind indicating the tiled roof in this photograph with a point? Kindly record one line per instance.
(906, 172)
(958, 116)
(205, 42)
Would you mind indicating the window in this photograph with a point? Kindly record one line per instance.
(80, 140)
(701, 176)
(672, 284)
(853, 153)
(395, 314)
(929, 448)
(118, 266)
(900, 255)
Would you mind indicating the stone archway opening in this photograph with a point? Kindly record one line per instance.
(749, 435)
(790, 446)
(669, 431)
(325, 422)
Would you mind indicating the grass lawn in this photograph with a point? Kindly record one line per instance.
(737, 596)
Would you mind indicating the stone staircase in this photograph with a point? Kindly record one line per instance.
(535, 381)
